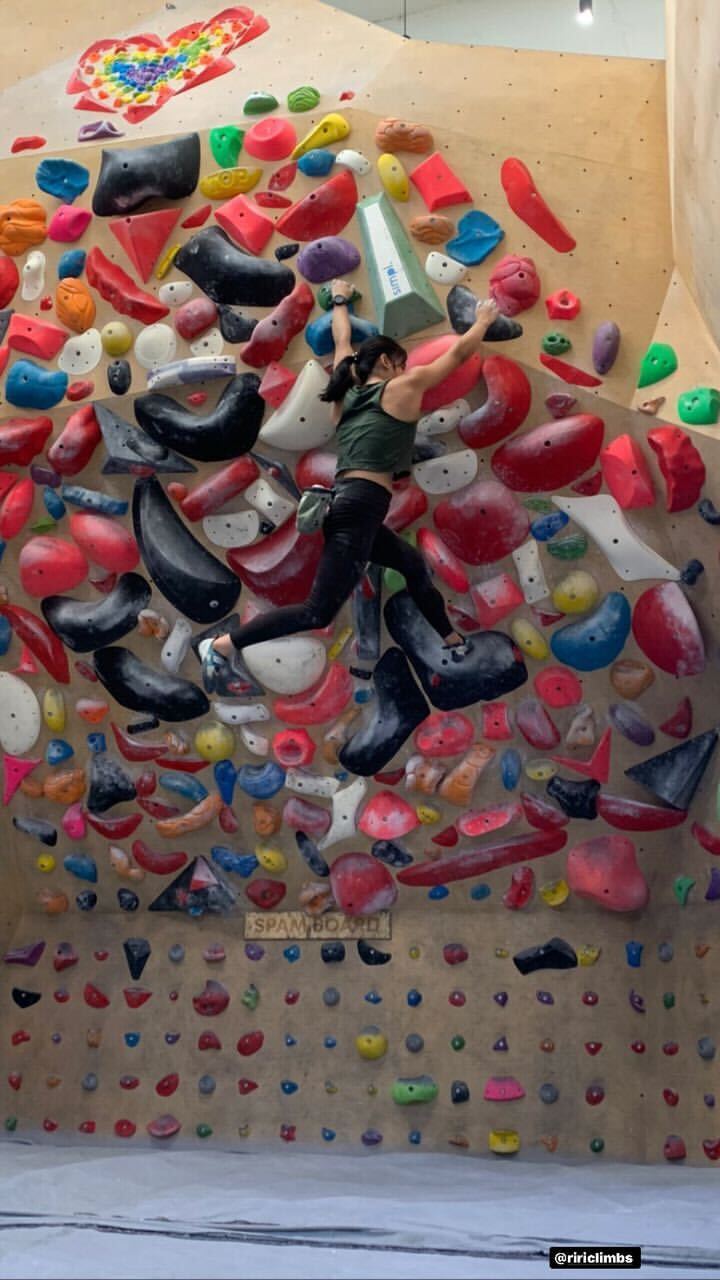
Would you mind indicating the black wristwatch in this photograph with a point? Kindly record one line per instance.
(339, 300)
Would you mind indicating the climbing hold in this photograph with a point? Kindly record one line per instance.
(605, 347)
(699, 407)
(626, 473)
(596, 640)
(658, 362)
(482, 523)
(504, 1142)
(411, 304)
(371, 1044)
(229, 275)
(551, 455)
(324, 212)
(437, 183)
(675, 775)
(667, 630)
(128, 178)
(628, 555)
(681, 465)
(605, 870)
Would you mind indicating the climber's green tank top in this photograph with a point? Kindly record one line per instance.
(369, 438)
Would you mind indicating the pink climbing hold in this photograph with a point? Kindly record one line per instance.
(387, 817)
(605, 870)
(50, 566)
(506, 405)
(551, 456)
(457, 384)
(480, 822)
(245, 224)
(535, 725)
(361, 885)
(503, 1089)
(681, 465)
(667, 631)
(270, 139)
(15, 771)
(483, 522)
(437, 184)
(627, 474)
(494, 599)
(515, 284)
(444, 733)
(597, 767)
(68, 224)
(528, 205)
(558, 687)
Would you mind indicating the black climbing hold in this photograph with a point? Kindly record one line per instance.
(132, 452)
(578, 799)
(6, 315)
(493, 668)
(284, 251)
(709, 511)
(25, 999)
(168, 170)
(38, 828)
(119, 376)
(366, 615)
(332, 952)
(690, 573)
(459, 1091)
(109, 784)
(198, 584)
(461, 308)
(144, 726)
(196, 890)
(227, 430)
(127, 900)
(555, 954)
(137, 953)
(278, 471)
(266, 527)
(83, 625)
(86, 900)
(229, 275)
(397, 708)
(135, 685)
(310, 853)
(675, 775)
(371, 955)
(391, 853)
(426, 448)
(233, 326)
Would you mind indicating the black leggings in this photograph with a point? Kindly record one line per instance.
(354, 535)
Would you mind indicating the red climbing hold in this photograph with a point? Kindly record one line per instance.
(164, 1127)
(273, 334)
(558, 687)
(9, 280)
(569, 372)
(94, 997)
(562, 305)
(535, 725)
(195, 317)
(597, 767)
(293, 748)
(494, 599)
(16, 508)
(444, 733)
(27, 142)
(447, 838)
(709, 842)
(283, 177)
(266, 894)
(527, 203)
(40, 640)
(481, 822)
(270, 139)
(276, 385)
(35, 337)
(143, 237)
(521, 890)
(635, 815)
(317, 466)
(457, 384)
(478, 862)
(361, 885)
(496, 724)
(21, 439)
(80, 390)
(104, 541)
(159, 864)
(209, 1040)
(437, 184)
(406, 506)
(250, 1043)
(50, 566)
(325, 211)
(681, 465)
(506, 404)
(627, 474)
(483, 522)
(114, 828)
(137, 748)
(136, 997)
(443, 561)
(515, 284)
(124, 1129)
(198, 217)
(281, 567)
(680, 723)
(387, 817)
(71, 452)
(167, 1085)
(272, 200)
(541, 814)
(667, 631)
(605, 870)
(324, 701)
(214, 999)
(119, 289)
(550, 456)
(210, 495)
(245, 224)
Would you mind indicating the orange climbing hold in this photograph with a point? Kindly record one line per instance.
(401, 135)
(74, 305)
(22, 225)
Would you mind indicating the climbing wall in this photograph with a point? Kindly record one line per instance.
(346, 893)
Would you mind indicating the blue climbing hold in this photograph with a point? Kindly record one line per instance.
(82, 866)
(58, 750)
(373, 997)
(596, 640)
(318, 333)
(362, 695)
(415, 1137)
(510, 768)
(225, 778)
(316, 163)
(29, 387)
(289, 1086)
(5, 632)
(328, 1135)
(92, 500)
(261, 781)
(71, 263)
(54, 504)
(480, 892)
(183, 784)
(438, 891)
(243, 864)
(292, 953)
(97, 743)
(330, 1042)
(478, 234)
(414, 998)
(65, 179)
(633, 951)
(86, 900)
(132, 1039)
(545, 527)
(290, 1041)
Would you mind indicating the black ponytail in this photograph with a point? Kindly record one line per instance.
(357, 368)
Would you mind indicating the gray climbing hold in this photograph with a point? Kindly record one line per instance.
(414, 1043)
(548, 1093)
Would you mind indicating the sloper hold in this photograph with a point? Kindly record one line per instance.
(140, 688)
(130, 176)
(144, 236)
(229, 429)
(192, 579)
(86, 625)
(281, 567)
(554, 954)
(325, 211)
(528, 205)
(229, 275)
(675, 775)
(461, 305)
(20, 720)
(550, 456)
(505, 407)
(131, 452)
(396, 710)
(492, 669)
(667, 631)
(482, 523)
(109, 784)
(635, 815)
(403, 297)
(597, 639)
(605, 870)
(478, 862)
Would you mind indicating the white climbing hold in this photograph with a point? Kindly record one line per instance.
(236, 713)
(443, 269)
(176, 646)
(234, 529)
(630, 557)
(530, 572)
(345, 805)
(191, 369)
(20, 718)
(155, 345)
(82, 353)
(33, 275)
(175, 292)
(307, 783)
(354, 160)
(448, 473)
(261, 495)
(211, 343)
(443, 420)
(256, 743)
(303, 421)
(290, 665)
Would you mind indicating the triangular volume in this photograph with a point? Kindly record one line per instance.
(675, 775)
(137, 953)
(196, 890)
(143, 237)
(131, 451)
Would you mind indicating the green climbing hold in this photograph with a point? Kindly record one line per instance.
(259, 103)
(457, 1043)
(542, 505)
(11, 1123)
(597, 1145)
(303, 99)
(411, 1089)
(571, 547)
(669, 999)
(226, 144)
(556, 344)
(392, 578)
(699, 407)
(325, 297)
(251, 997)
(681, 888)
(658, 362)
(203, 1130)
(43, 525)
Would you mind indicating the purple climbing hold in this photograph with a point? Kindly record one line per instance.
(501, 998)
(254, 951)
(628, 721)
(637, 1002)
(713, 889)
(323, 260)
(501, 1045)
(371, 1138)
(605, 347)
(544, 997)
(27, 955)
(97, 129)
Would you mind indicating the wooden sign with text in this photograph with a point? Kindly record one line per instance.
(295, 925)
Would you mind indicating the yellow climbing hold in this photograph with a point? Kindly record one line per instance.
(528, 638)
(540, 770)
(332, 128)
(555, 892)
(577, 592)
(588, 954)
(393, 176)
(502, 953)
(427, 815)
(229, 182)
(272, 860)
(54, 710)
(372, 1090)
(166, 261)
(414, 953)
(45, 862)
(338, 645)
(215, 741)
(504, 1142)
(331, 1087)
(116, 338)
(371, 1043)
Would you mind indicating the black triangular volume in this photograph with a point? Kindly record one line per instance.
(675, 775)
(137, 953)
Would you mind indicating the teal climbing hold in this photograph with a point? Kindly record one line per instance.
(404, 299)
(658, 362)
(28, 386)
(681, 888)
(65, 179)
(699, 407)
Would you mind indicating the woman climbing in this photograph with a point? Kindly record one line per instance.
(376, 405)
